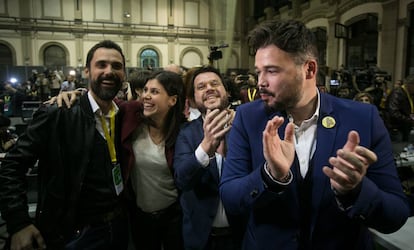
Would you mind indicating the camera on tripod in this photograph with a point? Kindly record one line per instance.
(216, 54)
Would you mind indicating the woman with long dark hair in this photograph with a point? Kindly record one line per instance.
(149, 130)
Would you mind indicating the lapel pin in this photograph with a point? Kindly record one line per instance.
(328, 122)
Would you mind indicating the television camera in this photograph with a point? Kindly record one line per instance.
(215, 53)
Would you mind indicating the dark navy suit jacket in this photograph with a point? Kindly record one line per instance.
(199, 186)
(275, 216)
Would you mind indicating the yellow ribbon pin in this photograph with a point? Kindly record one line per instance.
(328, 122)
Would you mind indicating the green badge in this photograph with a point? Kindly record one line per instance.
(117, 178)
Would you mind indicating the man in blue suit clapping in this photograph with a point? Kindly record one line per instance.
(301, 163)
(200, 152)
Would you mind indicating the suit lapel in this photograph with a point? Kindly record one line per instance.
(324, 149)
(325, 143)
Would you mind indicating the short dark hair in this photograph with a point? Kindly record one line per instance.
(291, 36)
(204, 69)
(107, 44)
(137, 80)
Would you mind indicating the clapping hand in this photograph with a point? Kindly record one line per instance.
(216, 124)
(350, 165)
(279, 154)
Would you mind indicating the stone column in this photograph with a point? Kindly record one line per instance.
(127, 31)
(269, 13)
(387, 33)
(332, 46)
(296, 11)
(26, 34)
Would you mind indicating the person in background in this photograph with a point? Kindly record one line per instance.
(137, 80)
(68, 84)
(31, 92)
(8, 98)
(344, 92)
(191, 111)
(387, 91)
(55, 83)
(8, 140)
(43, 85)
(300, 163)
(397, 84)
(174, 68)
(199, 155)
(123, 93)
(364, 97)
(149, 130)
(232, 75)
(249, 91)
(399, 110)
(234, 88)
(80, 182)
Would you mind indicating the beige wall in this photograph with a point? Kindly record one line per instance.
(149, 27)
(208, 23)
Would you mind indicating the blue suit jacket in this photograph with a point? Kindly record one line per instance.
(275, 217)
(199, 185)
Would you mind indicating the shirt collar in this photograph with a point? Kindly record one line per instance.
(95, 107)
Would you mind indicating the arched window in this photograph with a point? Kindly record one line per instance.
(149, 59)
(6, 57)
(55, 56)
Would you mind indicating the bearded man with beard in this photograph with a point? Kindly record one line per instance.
(300, 163)
(79, 177)
(200, 152)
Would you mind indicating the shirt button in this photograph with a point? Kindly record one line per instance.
(254, 193)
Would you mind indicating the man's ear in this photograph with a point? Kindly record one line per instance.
(86, 71)
(311, 69)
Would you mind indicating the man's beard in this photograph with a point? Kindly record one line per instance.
(289, 101)
(106, 94)
(276, 107)
(223, 105)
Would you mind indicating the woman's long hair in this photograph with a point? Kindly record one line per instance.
(173, 84)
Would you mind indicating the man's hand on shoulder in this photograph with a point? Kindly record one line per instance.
(66, 97)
